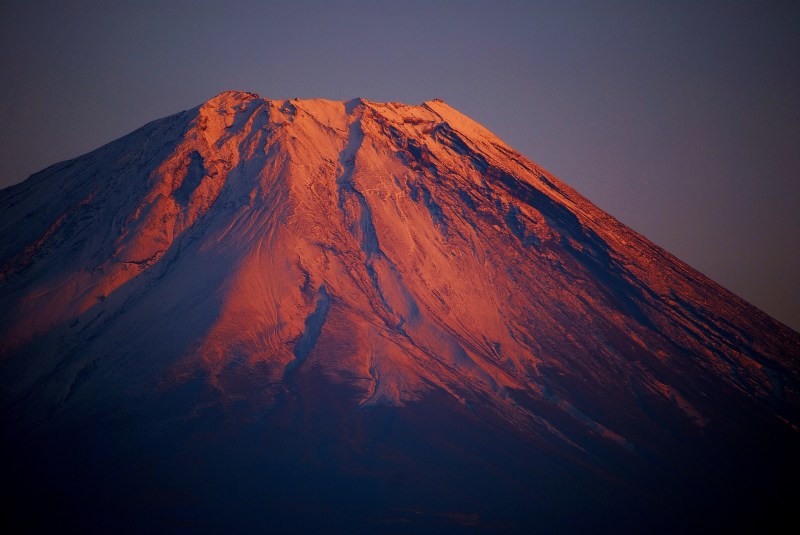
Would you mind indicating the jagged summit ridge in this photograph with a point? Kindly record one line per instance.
(253, 258)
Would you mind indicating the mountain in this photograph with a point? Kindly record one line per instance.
(308, 315)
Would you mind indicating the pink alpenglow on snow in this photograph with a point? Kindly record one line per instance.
(310, 314)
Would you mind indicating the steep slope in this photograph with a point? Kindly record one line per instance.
(382, 298)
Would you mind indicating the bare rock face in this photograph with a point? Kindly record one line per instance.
(307, 315)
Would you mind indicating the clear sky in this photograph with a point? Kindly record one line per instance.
(682, 119)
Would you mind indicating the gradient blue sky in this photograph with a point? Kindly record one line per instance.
(682, 119)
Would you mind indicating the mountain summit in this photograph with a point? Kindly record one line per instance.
(315, 315)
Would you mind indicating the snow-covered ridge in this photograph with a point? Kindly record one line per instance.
(382, 300)
(399, 249)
